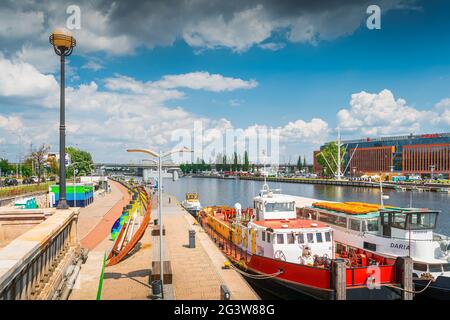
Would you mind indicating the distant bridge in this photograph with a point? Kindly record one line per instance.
(135, 165)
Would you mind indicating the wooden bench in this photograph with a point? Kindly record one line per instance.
(156, 272)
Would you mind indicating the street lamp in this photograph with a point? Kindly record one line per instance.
(160, 156)
(63, 43)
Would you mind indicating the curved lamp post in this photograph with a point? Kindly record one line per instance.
(160, 156)
(63, 44)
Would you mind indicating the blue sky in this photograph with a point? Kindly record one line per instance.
(399, 75)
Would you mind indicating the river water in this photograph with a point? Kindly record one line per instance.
(229, 191)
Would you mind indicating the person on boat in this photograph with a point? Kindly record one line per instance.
(306, 257)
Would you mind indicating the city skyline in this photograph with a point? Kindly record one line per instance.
(141, 72)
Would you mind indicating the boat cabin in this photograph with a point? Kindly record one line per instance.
(404, 223)
(191, 196)
(271, 205)
(296, 241)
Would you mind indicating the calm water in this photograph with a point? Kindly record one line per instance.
(228, 192)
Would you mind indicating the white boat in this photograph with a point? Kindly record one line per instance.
(390, 232)
(192, 203)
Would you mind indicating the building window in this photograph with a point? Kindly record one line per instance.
(310, 237)
(268, 237)
(372, 224)
(327, 236)
(263, 236)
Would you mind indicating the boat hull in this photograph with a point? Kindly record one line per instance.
(438, 289)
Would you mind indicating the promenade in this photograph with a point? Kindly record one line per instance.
(197, 272)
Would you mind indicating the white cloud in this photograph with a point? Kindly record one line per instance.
(21, 79)
(20, 24)
(205, 81)
(380, 114)
(315, 131)
(92, 65)
(244, 29)
(42, 58)
(272, 46)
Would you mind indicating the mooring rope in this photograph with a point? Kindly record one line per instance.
(411, 291)
(257, 276)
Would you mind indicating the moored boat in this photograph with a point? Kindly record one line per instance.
(390, 232)
(192, 203)
(290, 257)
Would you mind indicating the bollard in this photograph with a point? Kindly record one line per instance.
(224, 293)
(156, 289)
(191, 238)
(404, 271)
(339, 279)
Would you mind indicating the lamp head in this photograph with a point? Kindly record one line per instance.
(62, 41)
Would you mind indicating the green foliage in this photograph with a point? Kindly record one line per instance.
(82, 160)
(328, 158)
(6, 167)
(299, 163)
(246, 165)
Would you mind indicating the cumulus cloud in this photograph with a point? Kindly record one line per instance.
(382, 114)
(21, 79)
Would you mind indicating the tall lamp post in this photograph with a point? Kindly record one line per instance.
(160, 156)
(63, 44)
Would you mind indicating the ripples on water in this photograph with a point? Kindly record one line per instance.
(229, 191)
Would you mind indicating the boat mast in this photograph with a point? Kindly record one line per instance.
(339, 154)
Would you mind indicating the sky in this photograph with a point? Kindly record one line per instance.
(144, 71)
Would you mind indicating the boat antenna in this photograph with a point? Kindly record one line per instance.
(339, 173)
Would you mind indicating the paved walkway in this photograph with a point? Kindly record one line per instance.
(102, 216)
(128, 280)
(197, 272)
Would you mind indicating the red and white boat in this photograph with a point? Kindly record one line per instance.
(290, 257)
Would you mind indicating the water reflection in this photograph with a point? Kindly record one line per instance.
(228, 192)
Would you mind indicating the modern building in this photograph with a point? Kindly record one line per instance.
(425, 155)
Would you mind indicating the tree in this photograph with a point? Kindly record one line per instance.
(304, 163)
(328, 158)
(39, 158)
(246, 165)
(299, 163)
(82, 160)
(5, 167)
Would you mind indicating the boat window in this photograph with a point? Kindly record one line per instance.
(319, 237)
(280, 238)
(327, 218)
(327, 237)
(341, 221)
(420, 267)
(268, 237)
(310, 237)
(435, 268)
(290, 238)
(277, 207)
(263, 236)
(372, 224)
(446, 267)
(421, 220)
(301, 238)
(399, 220)
(355, 224)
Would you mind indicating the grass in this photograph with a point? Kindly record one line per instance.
(6, 192)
